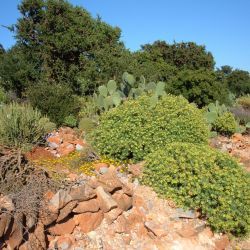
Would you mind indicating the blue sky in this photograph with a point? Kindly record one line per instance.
(222, 25)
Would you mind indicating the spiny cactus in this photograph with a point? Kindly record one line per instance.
(108, 96)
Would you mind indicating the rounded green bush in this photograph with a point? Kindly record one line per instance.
(137, 127)
(225, 124)
(198, 177)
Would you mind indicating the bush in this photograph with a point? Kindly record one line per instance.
(3, 96)
(244, 101)
(54, 100)
(199, 177)
(136, 128)
(70, 121)
(225, 124)
(22, 126)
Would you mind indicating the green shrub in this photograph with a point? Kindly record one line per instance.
(70, 121)
(199, 177)
(54, 100)
(22, 126)
(244, 101)
(86, 125)
(225, 124)
(136, 128)
(3, 96)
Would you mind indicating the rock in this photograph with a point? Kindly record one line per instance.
(82, 193)
(88, 221)
(59, 200)
(5, 220)
(121, 225)
(65, 227)
(6, 203)
(112, 215)
(187, 231)
(136, 169)
(47, 217)
(181, 213)
(72, 177)
(106, 202)
(79, 147)
(124, 201)
(100, 165)
(222, 243)
(37, 239)
(65, 149)
(54, 140)
(87, 206)
(66, 210)
(128, 191)
(237, 137)
(110, 182)
(156, 228)
(14, 239)
(103, 170)
(64, 242)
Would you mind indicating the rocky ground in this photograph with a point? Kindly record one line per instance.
(112, 211)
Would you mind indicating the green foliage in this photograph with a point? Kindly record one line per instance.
(199, 86)
(198, 177)
(22, 126)
(181, 55)
(69, 45)
(220, 119)
(136, 128)
(244, 101)
(86, 125)
(54, 100)
(3, 96)
(239, 82)
(70, 121)
(109, 96)
(225, 124)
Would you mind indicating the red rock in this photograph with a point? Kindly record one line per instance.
(66, 210)
(110, 182)
(82, 193)
(187, 231)
(136, 169)
(72, 177)
(68, 137)
(88, 221)
(64, 242)
(48, 195)
(47, 217)
(124, 201)
(5, 220)
(78, 142)
(87, 206)
(62, 228)
(37, 239)
(38, 153)
(106, 202)
(121, 225)
(237, 137)
(16, 236)
(99, 165)
(55, 139)
(112, 215)
(59, 200)
(65, 149)
(222, 243)
(156, 228)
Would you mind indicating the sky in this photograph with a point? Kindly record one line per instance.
(223, 26)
